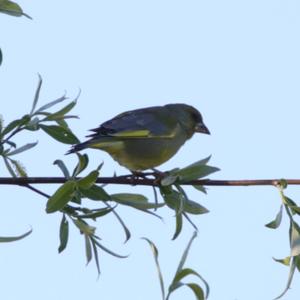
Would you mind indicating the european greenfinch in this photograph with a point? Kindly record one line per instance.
(145, 138)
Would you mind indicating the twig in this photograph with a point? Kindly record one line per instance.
(147, 182)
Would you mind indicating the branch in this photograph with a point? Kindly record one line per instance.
(147, 182)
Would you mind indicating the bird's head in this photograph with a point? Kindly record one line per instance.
(189, 117)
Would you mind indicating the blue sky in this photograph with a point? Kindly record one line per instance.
(236, 61)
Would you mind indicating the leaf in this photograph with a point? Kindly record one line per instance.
(84, 227)
(61, 197)
(1, 58)
(198, 292)
(50, 104)
(185, 253)
(22, 149)
(19, 169)
(125, 228)
(16, 123)
(295, 209)
(12, 9)
(14, 238)
(290, 278)
(88, 249)
(194, 208)
(169, 180)
(155, 255)
(178, 226)
(88, 181)
(186, 272)
(9, 167)
(96, 193)
(83, 161)
(62, 167)
(107, 250)
(63, 234)
(128, 198)
(96, 213)
(95, 251)
(285, 261)
(195, 171)
(61, 112)
(277, 221)
(60, 134)
(37, 95)
(200, 188)
(295, 240)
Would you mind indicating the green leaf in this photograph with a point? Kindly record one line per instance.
(169, 180)
(19, 169)
(84, 227)
(290, 278)
(128, 197)
(96, 213)
(14, 238)
(185, 272)
(96, 193)
(63, 234)
(22, 149)
(125, 228)
(50, 104)
(195, 171)
(88, 249)
(194, 208)
(83, 161)
(178, 226)
(12, 9)
(95, 251)
(108, 250)
(88, 181)
(16, 123)
(198, 292)
(9, 167)
(295, 239)
(186, 252)
(37, 94)
(295, 209)
(61, 197)
(61, 113)
(200, 188)
(60, 134)
(62, 167)
(277, 221)
(155, 255)
(285, 261)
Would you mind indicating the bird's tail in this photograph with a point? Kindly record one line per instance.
(78, 147)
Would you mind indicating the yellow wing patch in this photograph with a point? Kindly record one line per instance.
(133, 133)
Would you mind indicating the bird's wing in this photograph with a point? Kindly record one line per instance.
(153, 122)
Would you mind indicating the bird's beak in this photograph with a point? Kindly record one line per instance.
(200, 127)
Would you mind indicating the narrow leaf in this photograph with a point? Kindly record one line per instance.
(14, 238)
(88, 249)
(61, 112)
(63, 234)
(62, 167)
(60, 134)
(50, 104)
(285, 261)
(155, 255)
(277, 221)
(22, 149)
(37, 94)
(198, 292)
(61, 197)
(295, 240)
(108, 251)
(83, 161)
(89, 180)
(96, 193)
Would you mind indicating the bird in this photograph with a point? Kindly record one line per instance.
(145, 138)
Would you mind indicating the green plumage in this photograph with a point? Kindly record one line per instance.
(145, 138)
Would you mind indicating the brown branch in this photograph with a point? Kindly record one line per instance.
(23, 181)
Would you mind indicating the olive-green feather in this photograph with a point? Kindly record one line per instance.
(145, 138)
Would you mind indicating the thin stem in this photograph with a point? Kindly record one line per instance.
(147, 181)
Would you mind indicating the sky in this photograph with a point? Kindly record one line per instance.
(236, 61)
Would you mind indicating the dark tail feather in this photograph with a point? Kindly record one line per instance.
(78, 147)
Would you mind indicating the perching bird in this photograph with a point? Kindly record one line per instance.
(145, 138)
